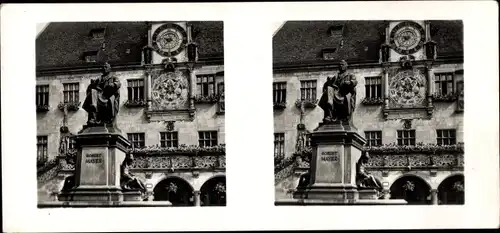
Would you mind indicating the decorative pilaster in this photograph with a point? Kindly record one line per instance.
(387, 194)
(430, 84)
(434, 196)
(196, 198)
(386, 87)
(148, 89)
(192, 85)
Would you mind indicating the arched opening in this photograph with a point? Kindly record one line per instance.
(175, 190)
(451, 190)
(213, 192)
(411, 188)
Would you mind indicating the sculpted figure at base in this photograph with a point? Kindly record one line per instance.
(127, 180)
(339, 96)
(363, 178)
(103, 98)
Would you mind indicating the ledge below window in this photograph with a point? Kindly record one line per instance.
(306, 103)
(279, 105)
(70, 106)
(135, 103)
(372, 101)
(42, 108)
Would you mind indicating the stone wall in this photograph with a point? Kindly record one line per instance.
(129, 120)
(366, 117)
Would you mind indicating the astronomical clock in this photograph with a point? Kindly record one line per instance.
(170, 78)
(407, 38)
(169, 40)
(408, 79)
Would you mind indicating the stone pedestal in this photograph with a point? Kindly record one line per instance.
(336, 148)
(101, 151)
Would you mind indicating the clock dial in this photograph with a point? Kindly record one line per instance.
(169, 39)
(407, 37)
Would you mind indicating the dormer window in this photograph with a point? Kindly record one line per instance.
(329, 54)
(336, 30)
(90, 56)
(97, 33)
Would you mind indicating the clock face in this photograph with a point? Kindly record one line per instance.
(169, 39)
(407, 37)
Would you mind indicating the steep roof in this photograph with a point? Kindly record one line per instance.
(303, 41)
(63, 44)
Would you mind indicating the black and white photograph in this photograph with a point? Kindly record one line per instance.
(130, 114)
(369, 112)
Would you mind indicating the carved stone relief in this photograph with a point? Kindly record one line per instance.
(170, 91)
(407, 89)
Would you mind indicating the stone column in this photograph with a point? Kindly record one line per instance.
(148, 89)
(430, 83)
(192, 91)
(434, 196)
(196, 198)
(386, 87)
(387, 194)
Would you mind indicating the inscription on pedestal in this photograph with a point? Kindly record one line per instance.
(93, 168)
(329, 168)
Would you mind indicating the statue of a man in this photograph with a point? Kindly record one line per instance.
(127, 180)
(339, 96)
(363, 178)
(103, 98)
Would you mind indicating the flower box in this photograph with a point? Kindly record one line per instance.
(42, 108)
(135, 103)
(70, 106)
(372, 101)
(450, 97)
(279, 105)
(418, 148)
(181, 149)
(206, 99)
(306, 103)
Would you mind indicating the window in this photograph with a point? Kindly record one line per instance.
(279, 144)
(329, 54)
(460, 87)
(90, 56)
(220, 88)
(205, 85)
(135, 88)
(42, 95)
(97, 33)
(42, 155)
(373, 87)
(444, 83)
(336, 30)
(207, 138)
(279, 92)
(308, 90)
(406, 137)
(71, 92)
(373, 138)
(136, 139)
(169, 139)
(446, 136)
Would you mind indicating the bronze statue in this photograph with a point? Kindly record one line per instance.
(363, 178)
(103, 98)
(339, 96)
(127, 180)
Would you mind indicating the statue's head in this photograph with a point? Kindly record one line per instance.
(364, 156)
(106, 68)
(343, 65)
(129, 158)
